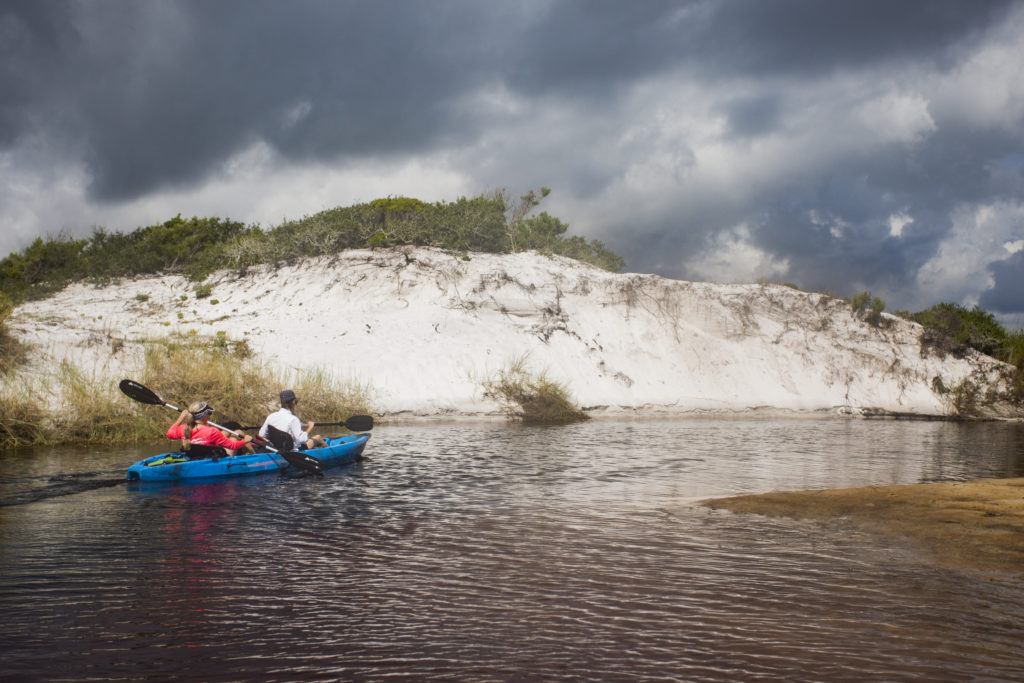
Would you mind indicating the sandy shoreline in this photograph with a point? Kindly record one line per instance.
(966, 525)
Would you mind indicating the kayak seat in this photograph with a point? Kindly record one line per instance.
(282, 440)
(200, 451)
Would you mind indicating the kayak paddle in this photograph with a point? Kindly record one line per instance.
(142, 394)
(356, 423)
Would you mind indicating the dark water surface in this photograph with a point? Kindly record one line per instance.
(481, 552)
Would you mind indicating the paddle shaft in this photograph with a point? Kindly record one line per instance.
(357, 423)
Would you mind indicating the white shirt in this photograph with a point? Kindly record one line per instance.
(286, 421)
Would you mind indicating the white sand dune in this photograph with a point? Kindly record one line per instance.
(423, 328)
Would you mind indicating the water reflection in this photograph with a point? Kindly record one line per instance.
(496, 552)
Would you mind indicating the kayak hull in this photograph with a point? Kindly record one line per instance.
(339, 451)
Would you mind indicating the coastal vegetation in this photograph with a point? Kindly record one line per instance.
(11, 350)
(196, 247)
(868, 308)
(181, 369)
(951, 329)
(532, 398)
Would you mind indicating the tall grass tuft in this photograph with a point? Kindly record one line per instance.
(534, 399)
(23, 416)
(190, 368)
(325, 399)
(240, 387)
(93, 411)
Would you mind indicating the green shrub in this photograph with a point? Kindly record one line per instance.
(962, 399)
(196, 247)
(953, 329)
(975, 328)
(184, 246)
(867, 308)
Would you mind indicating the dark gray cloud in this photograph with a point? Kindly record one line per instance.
(386, 77)
(753, 116)
(801, 37)
(1006, 297)
(158, 103)
(836, 145)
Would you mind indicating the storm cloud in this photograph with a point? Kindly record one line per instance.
(839, 146)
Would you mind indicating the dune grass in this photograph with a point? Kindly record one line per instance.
(239, 386)
(533, 399)
(12, 351)
(89, 413)
(23, 415)
(79, 407)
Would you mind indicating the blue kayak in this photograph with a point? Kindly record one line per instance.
(175, 466)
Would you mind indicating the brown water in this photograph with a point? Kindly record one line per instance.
(493, 552)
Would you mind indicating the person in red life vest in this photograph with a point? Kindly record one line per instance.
(193, 427)
(182, 428)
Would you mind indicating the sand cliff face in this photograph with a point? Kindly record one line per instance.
(423, 328)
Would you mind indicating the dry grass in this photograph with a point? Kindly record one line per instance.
(12, 351)
(180, 370)
(240, 387)
(534, 399)
(324, 399)
(93, 413)
(23, 417)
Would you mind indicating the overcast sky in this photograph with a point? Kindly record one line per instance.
(842, 146)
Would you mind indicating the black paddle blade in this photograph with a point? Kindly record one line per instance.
(137, 392)
(359, 423)
(304, 462)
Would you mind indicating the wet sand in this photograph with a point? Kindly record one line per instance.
(965, 525)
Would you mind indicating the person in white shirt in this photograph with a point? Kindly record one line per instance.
(286, 421)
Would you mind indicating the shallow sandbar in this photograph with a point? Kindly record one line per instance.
(973, 525)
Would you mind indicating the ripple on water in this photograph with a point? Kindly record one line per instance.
(497, 553)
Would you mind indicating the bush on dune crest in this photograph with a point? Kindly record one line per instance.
(196, 247)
